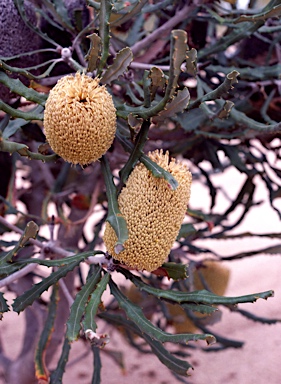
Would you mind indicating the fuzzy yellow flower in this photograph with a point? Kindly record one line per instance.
(153, 212)
(79, 119)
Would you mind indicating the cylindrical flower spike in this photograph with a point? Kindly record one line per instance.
(153, 212)
(79, 119)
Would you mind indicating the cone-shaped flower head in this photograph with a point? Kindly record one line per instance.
(79, 119)
(153, 212)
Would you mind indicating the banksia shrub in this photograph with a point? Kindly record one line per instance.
(79, 119)
(153, 212)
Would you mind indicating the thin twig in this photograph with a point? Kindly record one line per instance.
(47, 247)
(66, 292)
(181, 15)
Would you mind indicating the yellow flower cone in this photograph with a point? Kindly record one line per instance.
(79, 119)
(153, 212)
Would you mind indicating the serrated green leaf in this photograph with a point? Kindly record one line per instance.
(175, 271)
(15, 85)
(199, 297)
(135, 314)
(134, 122)
(62, 262)
(40, 365)
(225, 111)
(56, 376)
(78, 307)
(114, 216)
(181, 367)
(93, 54)
(32, 115)
(119, 66)
(158, 80)
(11, 146)
(136, 153)
(178, 104)
(186, 230)
(159, 172)
(104, 31)
(3, 305)
(30, 231)
(191, 62)
(93, 304)
(6, 269)
(192, 120)
(23, 301)
(179, 48)
(201, 308)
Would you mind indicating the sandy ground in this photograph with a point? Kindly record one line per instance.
(256, 363)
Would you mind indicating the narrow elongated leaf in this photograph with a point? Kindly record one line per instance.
(56, 376)
(201, 308)
(256, 318)
(26, 299)
(191, 62)
(15, 85)
(200, 297)
(274, 12)
(104, 30)
(13, 127)
(32, 115)
(93, 304)
(62, 14)
(181, 367)
(6, 269)
(176, 365)
(274, 250)
(94, 52)
(119, 66)
(30, 231)
(135, 314)
(158, 80)
(114, 216)
(136, 152)
(155, 169)
(178, 48)
(41, 371)
(173, 271)
(78, 307)
(10, 146)
(159, 172)
(61, 262)
(3, 305)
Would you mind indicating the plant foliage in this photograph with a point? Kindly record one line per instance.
(200, 79)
